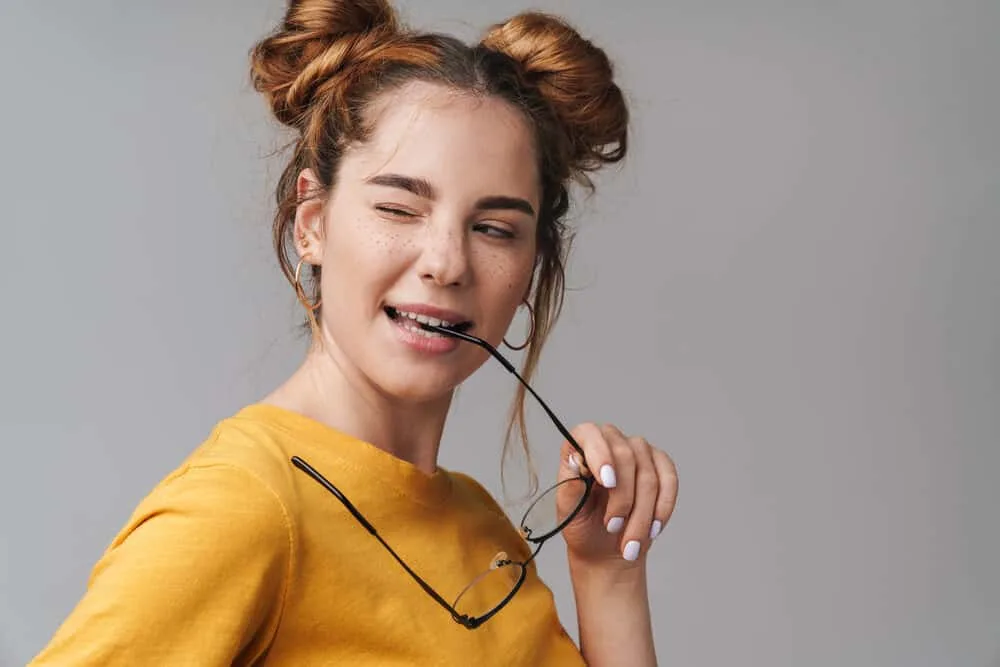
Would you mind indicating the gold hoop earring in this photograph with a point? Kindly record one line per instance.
(301, 294)
(531, 331)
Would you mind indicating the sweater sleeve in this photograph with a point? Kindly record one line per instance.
(197, 576)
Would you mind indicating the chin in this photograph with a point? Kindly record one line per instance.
(412, 389)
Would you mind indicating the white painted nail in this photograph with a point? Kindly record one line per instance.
(573, 464)
(631, 551)
(655, 529)
(616, 524)
(608, 479)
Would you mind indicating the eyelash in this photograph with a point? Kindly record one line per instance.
(492, 231)
(499, 232)
(392, 210)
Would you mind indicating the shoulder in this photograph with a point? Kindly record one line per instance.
(240, 464)
(469, 491)
(232, 490)
(246, 445)
(477, 500)
(216, 507)
(212, 541)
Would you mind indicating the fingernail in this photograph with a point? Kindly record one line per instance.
(608, 477)
(631, 551)
(616, 524)
(573, 463)
(655, 529)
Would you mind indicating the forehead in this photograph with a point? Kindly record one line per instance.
(461, 142)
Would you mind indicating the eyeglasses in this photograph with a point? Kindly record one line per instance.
(490, 591)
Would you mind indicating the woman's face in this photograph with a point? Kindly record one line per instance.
(434, 216)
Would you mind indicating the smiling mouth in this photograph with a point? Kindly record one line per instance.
(419, 321)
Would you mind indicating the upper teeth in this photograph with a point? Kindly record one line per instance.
(433, 321)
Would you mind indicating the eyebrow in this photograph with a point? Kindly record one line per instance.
(422, 188)
(498, 202)
(417, 186)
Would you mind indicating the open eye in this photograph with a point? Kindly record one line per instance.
(493, 231)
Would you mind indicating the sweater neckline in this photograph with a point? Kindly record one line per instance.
(333, 452)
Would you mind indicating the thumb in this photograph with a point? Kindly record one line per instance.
(571, 464)
(572, 467)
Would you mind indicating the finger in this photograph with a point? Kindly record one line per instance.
(620, 497)
(647, 484)
(571, 490)
(597, 456)
(572, 464)
(666, 497)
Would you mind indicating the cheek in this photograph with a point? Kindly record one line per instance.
(361, 257)
(508, 277)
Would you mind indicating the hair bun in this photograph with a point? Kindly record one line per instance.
(576, 78)
(313, 42)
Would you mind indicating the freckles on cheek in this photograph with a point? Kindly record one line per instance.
(377, 244)
(509, 280)
(363, 256)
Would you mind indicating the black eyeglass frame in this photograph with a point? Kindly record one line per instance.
(465, 620)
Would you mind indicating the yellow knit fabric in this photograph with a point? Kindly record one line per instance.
(237, 557)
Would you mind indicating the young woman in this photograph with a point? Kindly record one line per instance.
(422, 206)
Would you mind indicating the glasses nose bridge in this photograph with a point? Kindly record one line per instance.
(499, 560)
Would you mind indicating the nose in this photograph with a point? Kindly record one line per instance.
(444, 257)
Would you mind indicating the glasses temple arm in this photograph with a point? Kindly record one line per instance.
(326, 484)
(510, 367)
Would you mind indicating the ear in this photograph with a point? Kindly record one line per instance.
(309, 216)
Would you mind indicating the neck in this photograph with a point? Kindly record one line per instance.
(329, 389)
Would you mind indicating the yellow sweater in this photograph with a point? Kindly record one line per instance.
(237, 557)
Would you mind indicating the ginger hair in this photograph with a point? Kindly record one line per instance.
(321, 69)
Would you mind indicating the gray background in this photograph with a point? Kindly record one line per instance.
(791, 286)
